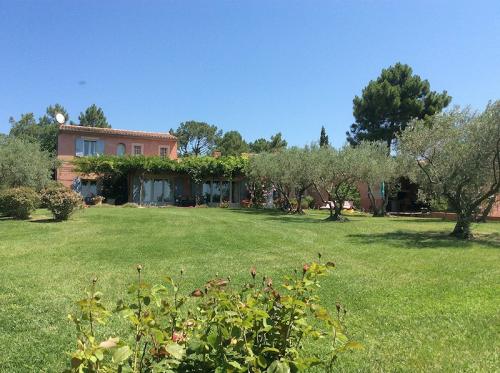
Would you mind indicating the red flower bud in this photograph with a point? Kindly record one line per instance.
(253, 272)
(178, 337)
(269, 282)
(197, 293)
(305, 268)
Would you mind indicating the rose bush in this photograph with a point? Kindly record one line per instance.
(261, 327)
(19, 203)
(61, 201)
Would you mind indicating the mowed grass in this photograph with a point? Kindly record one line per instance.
(417, 300)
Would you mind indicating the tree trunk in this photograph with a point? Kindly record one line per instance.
(332, 210)
(298, 210)
(462, 228)
(336, 213)
(487, 210)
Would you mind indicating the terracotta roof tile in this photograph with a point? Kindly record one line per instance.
(115, 132)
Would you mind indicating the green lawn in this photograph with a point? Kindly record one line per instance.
(416, 299)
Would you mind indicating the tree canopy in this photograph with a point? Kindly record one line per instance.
(44, 131)
(232, 143)
(275, 143)
(23, 163)
(335, 177)
(388, 103)
(323, 138)
(93, 116)
(287, 171)
(196, 138)
(457, 155)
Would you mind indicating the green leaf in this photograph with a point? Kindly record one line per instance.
(278, 367)
(261, 360)
(175, 350)
(235, 364)
(99, 354)
(121, 354)
(354, 346)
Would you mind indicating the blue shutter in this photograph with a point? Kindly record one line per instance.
(99, 147)
(79, 147)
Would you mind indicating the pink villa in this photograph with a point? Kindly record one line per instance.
(80, 141)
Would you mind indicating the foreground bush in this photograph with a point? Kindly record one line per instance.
(61, 201)
(19, 203)
(260, 328)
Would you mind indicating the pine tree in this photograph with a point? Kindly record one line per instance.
(323, 138)
(93, 117)
(388, 103)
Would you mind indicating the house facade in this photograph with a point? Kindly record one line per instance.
(80, 141)
(152, 189)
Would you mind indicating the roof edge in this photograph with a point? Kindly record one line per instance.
(115, 132)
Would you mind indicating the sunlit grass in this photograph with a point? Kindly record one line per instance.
(416, 299)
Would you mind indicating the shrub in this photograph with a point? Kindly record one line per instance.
(61, 201)
(96, 200)
(130, 204)
(255, 329)
(19, 203)
(308, 202)
(305, 203)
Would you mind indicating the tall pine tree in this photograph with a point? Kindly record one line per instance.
(93, 117)
(323, 138)
(388, 103)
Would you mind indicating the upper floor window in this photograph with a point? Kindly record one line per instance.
(89, 147)
(137, 149)
(164, 150)
(120, 149)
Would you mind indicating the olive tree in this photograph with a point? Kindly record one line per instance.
(457, 156)
(335, 177)
(287, 171)
(23, 164)
(261, 178)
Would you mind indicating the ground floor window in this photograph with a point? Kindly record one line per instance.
(219, 191)
(88, 188)
(185, 192)
(157, 191)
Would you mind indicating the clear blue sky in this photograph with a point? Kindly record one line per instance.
(255, 66)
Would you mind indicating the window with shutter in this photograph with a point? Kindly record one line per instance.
(89, 147)
(79, 147)
(120, 149)
(99, 147)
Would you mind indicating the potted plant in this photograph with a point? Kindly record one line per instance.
(97, 200)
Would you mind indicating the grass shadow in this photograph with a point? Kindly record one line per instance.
(280, 216)
(425, 240)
